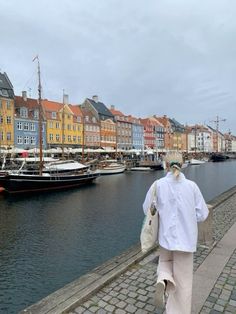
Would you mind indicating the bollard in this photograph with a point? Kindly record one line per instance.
(205, 229)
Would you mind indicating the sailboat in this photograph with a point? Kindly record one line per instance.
(57, 175)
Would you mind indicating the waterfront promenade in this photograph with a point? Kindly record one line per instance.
(126, 284)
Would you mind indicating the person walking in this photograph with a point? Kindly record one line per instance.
(181, 206)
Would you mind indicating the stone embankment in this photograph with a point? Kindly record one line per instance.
(126, 283)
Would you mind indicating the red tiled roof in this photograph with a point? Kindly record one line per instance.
(29, 102)
(49, 105)
(116, 112)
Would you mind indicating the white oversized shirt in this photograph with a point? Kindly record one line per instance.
(180, 205)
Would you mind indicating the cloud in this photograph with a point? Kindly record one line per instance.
(174, 57)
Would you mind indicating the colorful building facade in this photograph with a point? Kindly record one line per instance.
(6, 112)
(26, 123)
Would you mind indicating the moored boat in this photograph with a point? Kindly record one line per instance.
(194, 161)
(218, 157)
(111, 166)
(23, 183)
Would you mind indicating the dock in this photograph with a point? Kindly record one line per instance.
(126, 283)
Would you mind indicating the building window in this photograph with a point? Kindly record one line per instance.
(24, 112)
(50, 124)
(79, 139)
(69, 138)
(57, 137)
(51, 137)
(8, 105)
(1, 119)
(54, 115)
(8, 119)
(19, 139)
(19, 125)
(36, 113)
(57, 125)
(32, 140)
(74, 139)
(1, 136)
(8, 136)
(26, 140)
(26, 126)
(69, 127)
(78, 119)
(87, 118)
(32, 127)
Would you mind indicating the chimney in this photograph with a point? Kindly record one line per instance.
(65, 99)
(95, 98)
(112, 107)
(24, 95)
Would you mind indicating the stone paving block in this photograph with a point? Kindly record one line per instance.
(119, 311)
(110, 308)
(131, 309)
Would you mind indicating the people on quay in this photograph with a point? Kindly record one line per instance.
(180, 206)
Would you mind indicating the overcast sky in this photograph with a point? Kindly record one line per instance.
(145, 57)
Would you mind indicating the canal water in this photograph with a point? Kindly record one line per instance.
(49, 240)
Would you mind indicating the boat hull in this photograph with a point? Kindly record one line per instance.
(111, 170)
(30, 183)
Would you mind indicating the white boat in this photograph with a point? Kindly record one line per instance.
(196, 161)
(110, 166)
(141, 169)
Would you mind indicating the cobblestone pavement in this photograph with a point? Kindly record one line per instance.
(133, 291)
(222, 298)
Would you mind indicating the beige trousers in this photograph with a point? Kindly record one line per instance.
(177, 268)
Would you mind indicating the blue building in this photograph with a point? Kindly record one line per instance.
(137, 133)
(26, 123)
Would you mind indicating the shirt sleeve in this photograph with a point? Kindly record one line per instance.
(200, 205)
(149, 198)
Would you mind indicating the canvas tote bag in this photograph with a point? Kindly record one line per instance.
(149, 232)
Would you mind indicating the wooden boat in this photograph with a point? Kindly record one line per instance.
(111, 166)
(54, 177)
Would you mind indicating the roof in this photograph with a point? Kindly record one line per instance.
(49, 105)
(76, 110)
(116, 112)
(29, 102)
(101, 108)
(6, 88)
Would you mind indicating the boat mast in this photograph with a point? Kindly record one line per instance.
(63, 126)
(40, 119)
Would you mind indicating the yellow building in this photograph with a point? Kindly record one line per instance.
(64, 124)
(6, 112)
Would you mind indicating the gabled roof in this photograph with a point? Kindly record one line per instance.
(76, 110)
(100, 108)
(51, 106)
(156, 121)
(6, 88)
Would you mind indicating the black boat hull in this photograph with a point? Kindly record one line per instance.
(27, 183)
